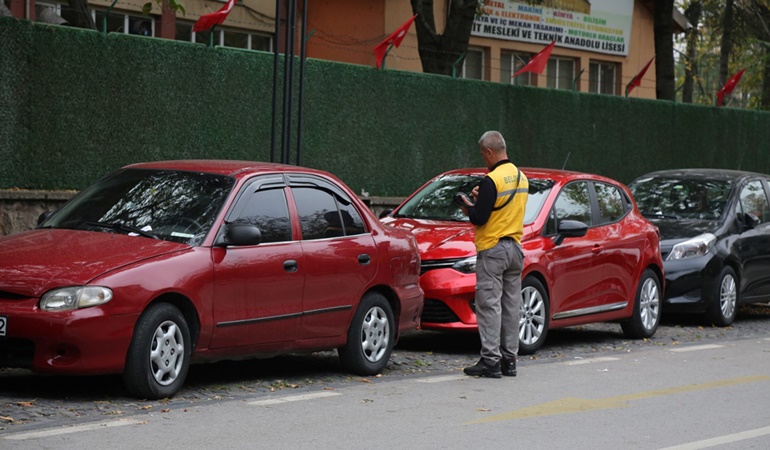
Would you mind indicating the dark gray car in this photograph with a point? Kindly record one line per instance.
(715, 237)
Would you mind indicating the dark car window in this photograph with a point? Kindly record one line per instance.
(611, 202)
(173, 205)
(268, 211)
(321, 215)
(754, 200)
(573, 203)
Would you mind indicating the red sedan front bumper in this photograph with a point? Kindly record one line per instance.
(84, 341)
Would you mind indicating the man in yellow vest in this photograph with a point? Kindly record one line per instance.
(498, 215)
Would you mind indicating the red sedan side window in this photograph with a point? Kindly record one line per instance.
(267, 210)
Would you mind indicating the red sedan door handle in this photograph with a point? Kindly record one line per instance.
(597, 249)
(290, 265)
(364, 259)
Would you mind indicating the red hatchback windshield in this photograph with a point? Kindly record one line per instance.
(434, 201)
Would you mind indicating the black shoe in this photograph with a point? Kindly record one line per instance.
(508, 367)
(484, 369)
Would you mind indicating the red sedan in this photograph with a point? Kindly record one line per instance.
(162, 264)
(590, 256)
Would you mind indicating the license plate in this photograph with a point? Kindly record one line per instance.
(3, 325)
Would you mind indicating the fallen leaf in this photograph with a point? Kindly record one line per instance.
(165, 410)
(328, 389)
(7, 419)
(364, 380)
(146, 407)
(483, 409)
(27, 404)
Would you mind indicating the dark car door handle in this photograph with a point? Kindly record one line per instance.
(597, 249)
(290, 265)
(364, 259)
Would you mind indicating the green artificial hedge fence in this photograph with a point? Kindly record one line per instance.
(76, 104)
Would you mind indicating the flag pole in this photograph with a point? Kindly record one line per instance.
(211, 36)
(385, 56)
(574, 82)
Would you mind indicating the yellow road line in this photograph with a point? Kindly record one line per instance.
(575, 405)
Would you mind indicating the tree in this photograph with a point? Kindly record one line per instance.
(727, 42)
(693, 14)
(663, 18)
(440, 51)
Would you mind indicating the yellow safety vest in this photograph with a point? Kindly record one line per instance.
(507, 218)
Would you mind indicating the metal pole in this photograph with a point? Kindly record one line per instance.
(276, 58)
(288, 77)
(301, 81)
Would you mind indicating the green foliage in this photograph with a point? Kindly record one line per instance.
(173, 4)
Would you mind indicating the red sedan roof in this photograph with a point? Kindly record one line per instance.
(221, 166)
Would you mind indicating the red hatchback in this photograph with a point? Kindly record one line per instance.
(590, 256)
(162, 264)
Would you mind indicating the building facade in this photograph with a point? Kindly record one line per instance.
(600, 45)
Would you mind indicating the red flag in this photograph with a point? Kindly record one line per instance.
(538, 62)
(729, 86)
(637, 80)
(208, 21)
(394, 39)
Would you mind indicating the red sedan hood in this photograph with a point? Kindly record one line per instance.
(439, 239)
(35, 261)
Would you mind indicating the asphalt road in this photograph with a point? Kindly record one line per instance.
(31, 403)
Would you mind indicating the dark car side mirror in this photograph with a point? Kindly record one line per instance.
(749, 221)
(240, 234)
(569, 228)
(43, 217)
(385, 213)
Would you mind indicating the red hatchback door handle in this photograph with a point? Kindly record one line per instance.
(364, 259)
(597, 249)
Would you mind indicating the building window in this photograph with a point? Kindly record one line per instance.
(118, 22)
(473, 64)
(225, 37)
(511, 63)
(601, 78)
(560, 73)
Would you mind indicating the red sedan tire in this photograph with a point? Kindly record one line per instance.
(159, 356)
(370, 337)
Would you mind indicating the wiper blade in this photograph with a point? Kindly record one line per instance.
(660, 216)
(123, 227)
(444, 218)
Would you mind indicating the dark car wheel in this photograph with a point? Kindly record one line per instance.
(722, 309)
(646, 317)
(159, 355)
(533, 319)
(370, 337)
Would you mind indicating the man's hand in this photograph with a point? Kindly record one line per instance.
(467, 203)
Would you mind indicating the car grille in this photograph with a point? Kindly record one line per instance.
(437, 264)
(16, 353)
(436, 311)
(11, 296)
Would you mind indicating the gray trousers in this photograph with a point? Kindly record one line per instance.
(498, 299)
